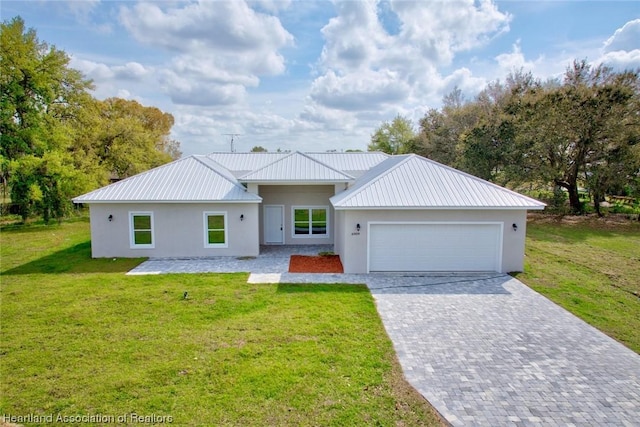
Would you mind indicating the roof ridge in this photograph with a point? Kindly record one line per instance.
(476, 178)
(234, 182)
(290, 155)
(324, 164)
(148, 171)
(267, 165)
(348, 152)
(379, 176)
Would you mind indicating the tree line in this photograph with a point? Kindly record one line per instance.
(561, 135)
(56, 140)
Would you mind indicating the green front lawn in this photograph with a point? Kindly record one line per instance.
(81, 338)
(591, 267)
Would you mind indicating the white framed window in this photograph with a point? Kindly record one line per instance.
(215, 230)
(141, 230)
(310, 221)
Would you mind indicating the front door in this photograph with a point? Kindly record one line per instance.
(274, 224)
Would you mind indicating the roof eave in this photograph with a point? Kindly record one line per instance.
(494, 208)
(296, 182)
(257, 200)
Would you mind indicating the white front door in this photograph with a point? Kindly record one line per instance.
(273, 224)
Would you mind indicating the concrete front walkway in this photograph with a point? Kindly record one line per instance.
(272, 259)
(484, 349)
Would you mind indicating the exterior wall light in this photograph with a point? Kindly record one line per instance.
(357, 227)
(515, 227)
(241, 217)
(110, 218)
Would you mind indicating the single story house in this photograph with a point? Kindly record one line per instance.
(381, 213)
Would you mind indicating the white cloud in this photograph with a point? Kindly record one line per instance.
(209, 70)
(625, 39)
(363, 67)
(130, 71)
(440, 29)
(223, 26)
(270, 5)
(100, 72)
(514, 60)
(123, 93)
(184, 89)
(354, 38)
(463, 79)
(621, 60)
(225, 46)
(321, 117)
(194, 80)
(622, 50)
(96, 71)
(359, 91)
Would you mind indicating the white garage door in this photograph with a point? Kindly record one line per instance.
(445, 246)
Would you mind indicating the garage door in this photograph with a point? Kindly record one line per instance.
(447, 246)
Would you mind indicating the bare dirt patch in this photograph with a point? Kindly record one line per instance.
(315, 264)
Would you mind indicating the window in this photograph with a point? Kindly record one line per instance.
(215, 230)
(310, 221)
(141, 226)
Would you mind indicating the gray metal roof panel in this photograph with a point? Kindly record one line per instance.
(411, 181)
(188, 179)
(351, 163)
(242, 163)
(296, 167)
(354, 163)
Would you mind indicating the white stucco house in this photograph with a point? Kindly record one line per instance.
(381, 213)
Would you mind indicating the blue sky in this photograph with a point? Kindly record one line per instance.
(318, 75)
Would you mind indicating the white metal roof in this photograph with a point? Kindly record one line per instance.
(354, 163)
(413, 182)
(296, 167)
(242, 163)
(191, 179)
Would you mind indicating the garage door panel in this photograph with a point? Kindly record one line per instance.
(435, 247)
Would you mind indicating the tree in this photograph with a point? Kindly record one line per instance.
(39, 98)
(489, 148)
(37, 90)
(56, 141)
(258, 149)
(581, 130)
(131, 138)
(397, 137)
(436, 138)
(442, 133)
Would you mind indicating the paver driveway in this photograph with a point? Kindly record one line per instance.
(485, 350)
(488, 350)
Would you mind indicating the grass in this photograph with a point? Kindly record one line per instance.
(81, 338)
(590, 267)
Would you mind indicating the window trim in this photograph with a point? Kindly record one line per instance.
(310, 235)
(205, 216)
(132, 231)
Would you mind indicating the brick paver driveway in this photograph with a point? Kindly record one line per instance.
(488, 350)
